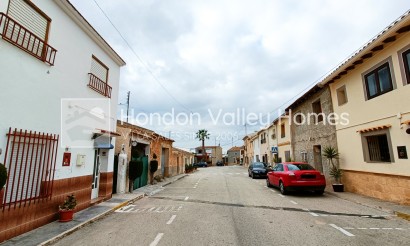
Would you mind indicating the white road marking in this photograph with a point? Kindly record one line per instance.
(314, 214)
(305, 209)
(273, 190)
(374, 228)
(186, 198)
(157, 239)
(342, 230)
(387, 228)
(293, 202)
(171, 219)
(281, 195)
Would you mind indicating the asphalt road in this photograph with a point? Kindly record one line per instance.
(223, 206)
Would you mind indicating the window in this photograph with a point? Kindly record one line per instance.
(377, 146)
(273, 136)
(27, 27)
(298, 118)
(341, 95)
(287, 156)
(406, 61)
(99, 77)
(30, 160)
(317, 110)
(378, 81)
(282, 131)
(304, 156)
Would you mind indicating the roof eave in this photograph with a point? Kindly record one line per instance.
(368, 47)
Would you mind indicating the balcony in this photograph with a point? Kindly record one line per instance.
(99, 86)
(14, 33)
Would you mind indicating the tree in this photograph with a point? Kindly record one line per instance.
(202, 135)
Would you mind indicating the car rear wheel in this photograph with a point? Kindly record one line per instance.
(268, 183)
(282, 188)
(253, 177)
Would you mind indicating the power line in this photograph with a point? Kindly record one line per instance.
(141, 61)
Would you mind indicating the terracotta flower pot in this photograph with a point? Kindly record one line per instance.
(66, 215)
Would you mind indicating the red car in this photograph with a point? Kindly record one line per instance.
(291, 176)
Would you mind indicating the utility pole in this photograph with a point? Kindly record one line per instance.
(128, 103)
(246, 131)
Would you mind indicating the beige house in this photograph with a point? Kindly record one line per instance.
(370, 94)
(264, 151)
(212, 154)
(284, 150)
(180, 158)
(248, 148)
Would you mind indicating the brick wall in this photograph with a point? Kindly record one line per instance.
(385, 187)
(16, 221)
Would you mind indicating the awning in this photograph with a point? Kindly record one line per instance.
(103, 145)
(407, 122)
(375, 128)
(101, 132)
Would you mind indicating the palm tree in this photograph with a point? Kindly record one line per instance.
(331, 153)
(202, 135)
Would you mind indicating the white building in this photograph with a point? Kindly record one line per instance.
(59, 81)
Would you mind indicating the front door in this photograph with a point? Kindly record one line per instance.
(317, 158)
(96, 175)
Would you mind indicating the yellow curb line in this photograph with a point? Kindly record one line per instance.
(403, 215)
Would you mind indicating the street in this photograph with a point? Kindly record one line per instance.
(223, 206)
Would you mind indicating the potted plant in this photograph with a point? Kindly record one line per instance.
(3, 180)
(331, 153)
(66, 210)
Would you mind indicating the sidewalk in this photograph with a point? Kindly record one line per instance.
(401, 211)
(54, 231)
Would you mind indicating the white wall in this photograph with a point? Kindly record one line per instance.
(381, 110)
(31, 90)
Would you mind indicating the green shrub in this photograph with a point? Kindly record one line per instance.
(70, 203)
(3, 175)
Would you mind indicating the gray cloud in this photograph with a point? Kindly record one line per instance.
(227, 54)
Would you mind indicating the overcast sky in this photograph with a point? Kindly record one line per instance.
(207, 57)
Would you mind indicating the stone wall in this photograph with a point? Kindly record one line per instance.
(382, 186)
(306, 136)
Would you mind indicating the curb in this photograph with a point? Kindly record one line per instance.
(397, 213)
(95, 218)
(170, 182)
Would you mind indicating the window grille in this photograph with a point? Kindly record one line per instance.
(30, 158)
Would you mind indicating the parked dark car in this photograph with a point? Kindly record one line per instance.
(258, 170)
(291, 176)
(202, 164)
(219, 163)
